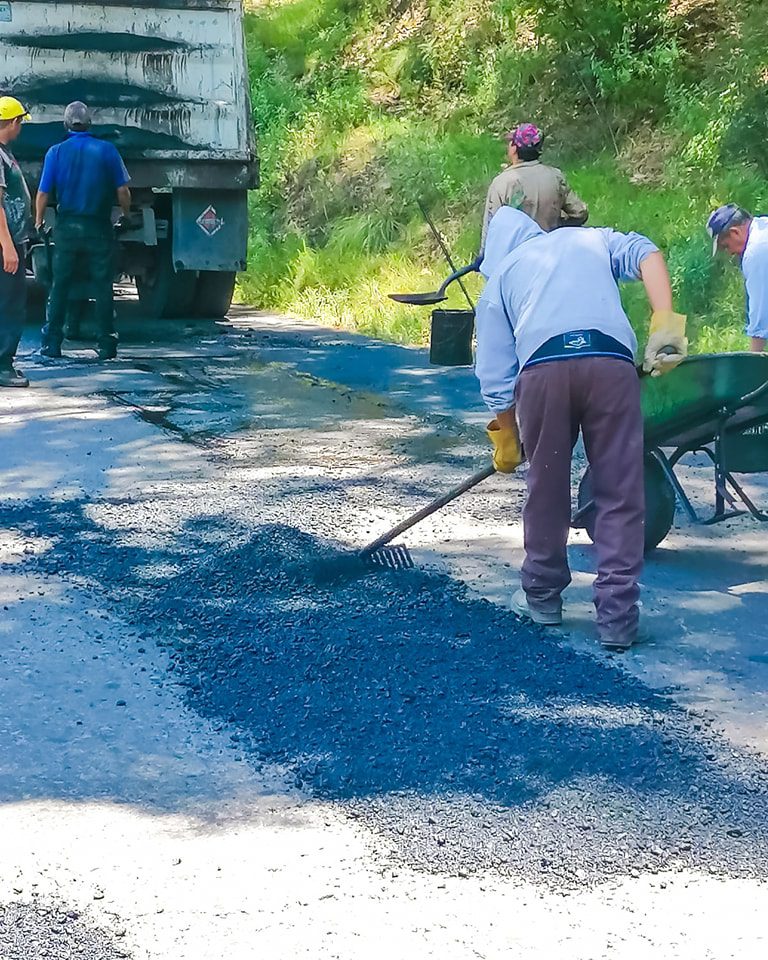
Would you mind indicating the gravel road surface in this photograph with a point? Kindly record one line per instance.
(33, 930)
(224, 736)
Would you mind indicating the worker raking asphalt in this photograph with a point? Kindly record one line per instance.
(463, 738)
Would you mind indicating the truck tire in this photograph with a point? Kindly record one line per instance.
(213, 296)
(165, 293)
(659, 504)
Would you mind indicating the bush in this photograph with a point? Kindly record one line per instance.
(696, 275)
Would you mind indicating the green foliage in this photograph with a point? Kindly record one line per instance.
(365, 107)
(694, 273)
(599, 28)
(627, 46)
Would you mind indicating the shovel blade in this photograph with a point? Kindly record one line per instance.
(418, 299)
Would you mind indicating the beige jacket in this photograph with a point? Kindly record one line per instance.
(538, 190)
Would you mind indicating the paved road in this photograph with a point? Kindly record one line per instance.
(217, 742)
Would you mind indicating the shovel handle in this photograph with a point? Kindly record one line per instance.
(430, 508)
(458, 274)
(446, 252)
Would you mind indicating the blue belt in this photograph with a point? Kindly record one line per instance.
(580, 343)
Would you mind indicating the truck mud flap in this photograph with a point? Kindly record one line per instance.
(210, 229)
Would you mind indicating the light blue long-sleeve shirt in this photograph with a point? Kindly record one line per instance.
(754, 266)
(541, 285)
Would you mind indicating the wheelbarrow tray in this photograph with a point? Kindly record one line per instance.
(686, 408)
(711, 404)
(706, 404)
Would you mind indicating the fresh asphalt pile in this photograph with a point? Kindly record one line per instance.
(463, 738)
(33, 931)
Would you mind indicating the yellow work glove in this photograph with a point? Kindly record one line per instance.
(667, 344)
(507, 451)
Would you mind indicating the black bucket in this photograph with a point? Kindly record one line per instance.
(40, 255)
(450, 342)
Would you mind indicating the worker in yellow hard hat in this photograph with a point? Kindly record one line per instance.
(12, 109)
(15, 224)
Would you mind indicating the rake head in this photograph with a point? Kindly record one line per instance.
(393, 557)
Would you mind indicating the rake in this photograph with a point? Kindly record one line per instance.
(382, 553)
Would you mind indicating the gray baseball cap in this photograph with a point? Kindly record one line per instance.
(77, 114)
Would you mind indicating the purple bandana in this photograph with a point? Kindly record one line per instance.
(525, 135)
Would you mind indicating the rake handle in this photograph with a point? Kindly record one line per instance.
(430, 508)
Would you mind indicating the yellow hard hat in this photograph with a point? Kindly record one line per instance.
(11, 109)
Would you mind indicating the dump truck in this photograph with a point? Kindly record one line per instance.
(167, 83)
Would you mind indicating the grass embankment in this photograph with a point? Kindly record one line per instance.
(364, 108)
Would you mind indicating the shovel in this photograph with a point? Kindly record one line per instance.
(446, 252)
(436, 296)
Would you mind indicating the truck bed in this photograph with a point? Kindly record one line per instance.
(167, 82)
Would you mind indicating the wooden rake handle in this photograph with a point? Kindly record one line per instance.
(430, 508)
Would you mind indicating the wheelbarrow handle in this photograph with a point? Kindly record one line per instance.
(665, 351)
(752, 396)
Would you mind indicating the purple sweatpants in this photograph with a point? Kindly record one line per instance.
(601, 397)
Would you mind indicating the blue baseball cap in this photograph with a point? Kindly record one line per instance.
(720, 220)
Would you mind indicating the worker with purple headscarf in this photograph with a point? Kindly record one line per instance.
(529, 185)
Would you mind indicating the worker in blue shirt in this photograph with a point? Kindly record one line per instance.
(84, 176)
(742, 235)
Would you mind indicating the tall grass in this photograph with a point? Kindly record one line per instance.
(366, 107)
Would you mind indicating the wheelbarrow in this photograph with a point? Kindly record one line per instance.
(712, 404)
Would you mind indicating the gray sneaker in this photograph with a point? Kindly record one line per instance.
(617, 642)
(13, 378)
(548, 614)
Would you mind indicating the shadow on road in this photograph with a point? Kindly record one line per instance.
(465, 738)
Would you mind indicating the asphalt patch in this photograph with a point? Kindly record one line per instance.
(466, 739)
(33, 931)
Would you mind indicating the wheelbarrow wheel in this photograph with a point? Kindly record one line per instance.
(659, 504)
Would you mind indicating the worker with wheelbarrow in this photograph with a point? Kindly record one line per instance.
(555, 355)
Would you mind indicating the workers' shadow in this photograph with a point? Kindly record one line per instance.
(395, 690)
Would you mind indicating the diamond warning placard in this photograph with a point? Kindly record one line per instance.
(209, 221)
